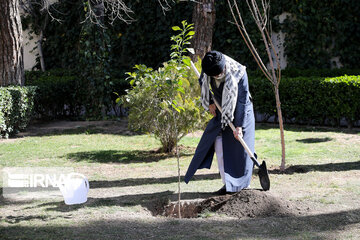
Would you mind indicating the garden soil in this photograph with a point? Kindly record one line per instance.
(248, 203)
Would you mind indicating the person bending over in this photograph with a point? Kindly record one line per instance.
(229, 83)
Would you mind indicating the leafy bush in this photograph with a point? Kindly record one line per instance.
(61, 93)
(335, 72)
(5, 110)
(312, 72)
(316, 31)
(165, 101)
(16, 108)
(58, 95)
(311, 100)
(342, 97)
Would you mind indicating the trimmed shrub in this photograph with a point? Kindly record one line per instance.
(5, 111)
(311, 73)
(305, 99)
(310, 100)
(58, 96)
(59, 93)
(16, 109)
(62, 94)
(342, 99)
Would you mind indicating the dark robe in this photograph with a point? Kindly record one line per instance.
(237, 164)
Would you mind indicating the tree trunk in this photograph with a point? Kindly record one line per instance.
(11, 44)
(204, 20)
(39, 43)
(41, 53)
(281, 125)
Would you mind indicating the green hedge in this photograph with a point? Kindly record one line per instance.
(16, 108)
(305, 100)
(62, 94)
(58, 95)
(296, 72)
(310, 100)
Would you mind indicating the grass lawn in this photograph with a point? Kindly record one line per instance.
(127, 176)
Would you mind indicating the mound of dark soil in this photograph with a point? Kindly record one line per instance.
(249, 203)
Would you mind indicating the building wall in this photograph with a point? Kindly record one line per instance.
(278, 40)
(30, 49)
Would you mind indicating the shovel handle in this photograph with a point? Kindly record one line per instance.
(194, 68)
(241, 140)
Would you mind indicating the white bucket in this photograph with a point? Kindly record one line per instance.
(75, 189)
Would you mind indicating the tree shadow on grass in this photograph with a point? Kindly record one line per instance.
(142, 181)
(120, 156)
(66, 127)
(21, 218)
(125, 183)
(307, 128)
(150, 201)
(314, 140)
(328, 167)
(319, 226)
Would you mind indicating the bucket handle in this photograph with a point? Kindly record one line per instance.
(83, 176)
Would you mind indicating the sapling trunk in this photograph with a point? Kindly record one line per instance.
(281, 125)
(178, 167)
(261, 18)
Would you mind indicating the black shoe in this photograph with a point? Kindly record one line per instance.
(221, 191)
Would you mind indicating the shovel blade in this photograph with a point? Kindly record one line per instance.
(264, 176)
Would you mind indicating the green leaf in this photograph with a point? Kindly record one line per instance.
(177, 109)
(180, 89)
(191, 33)
(168, 81)
(176, 28)
(186, 61)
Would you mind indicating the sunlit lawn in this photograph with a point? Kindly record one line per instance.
(126, 174)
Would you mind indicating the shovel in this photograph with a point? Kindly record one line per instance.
(263, 172)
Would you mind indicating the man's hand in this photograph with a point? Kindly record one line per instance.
(238, 133)
(212, 109)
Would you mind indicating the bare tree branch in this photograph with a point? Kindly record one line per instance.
(46, 7)
(164, 6)
(247, 39)
(261, 18)
(112, 9)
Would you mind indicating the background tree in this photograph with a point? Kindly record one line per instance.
(93, 61)
(11, 47)
(260, 14)
(204, 19)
